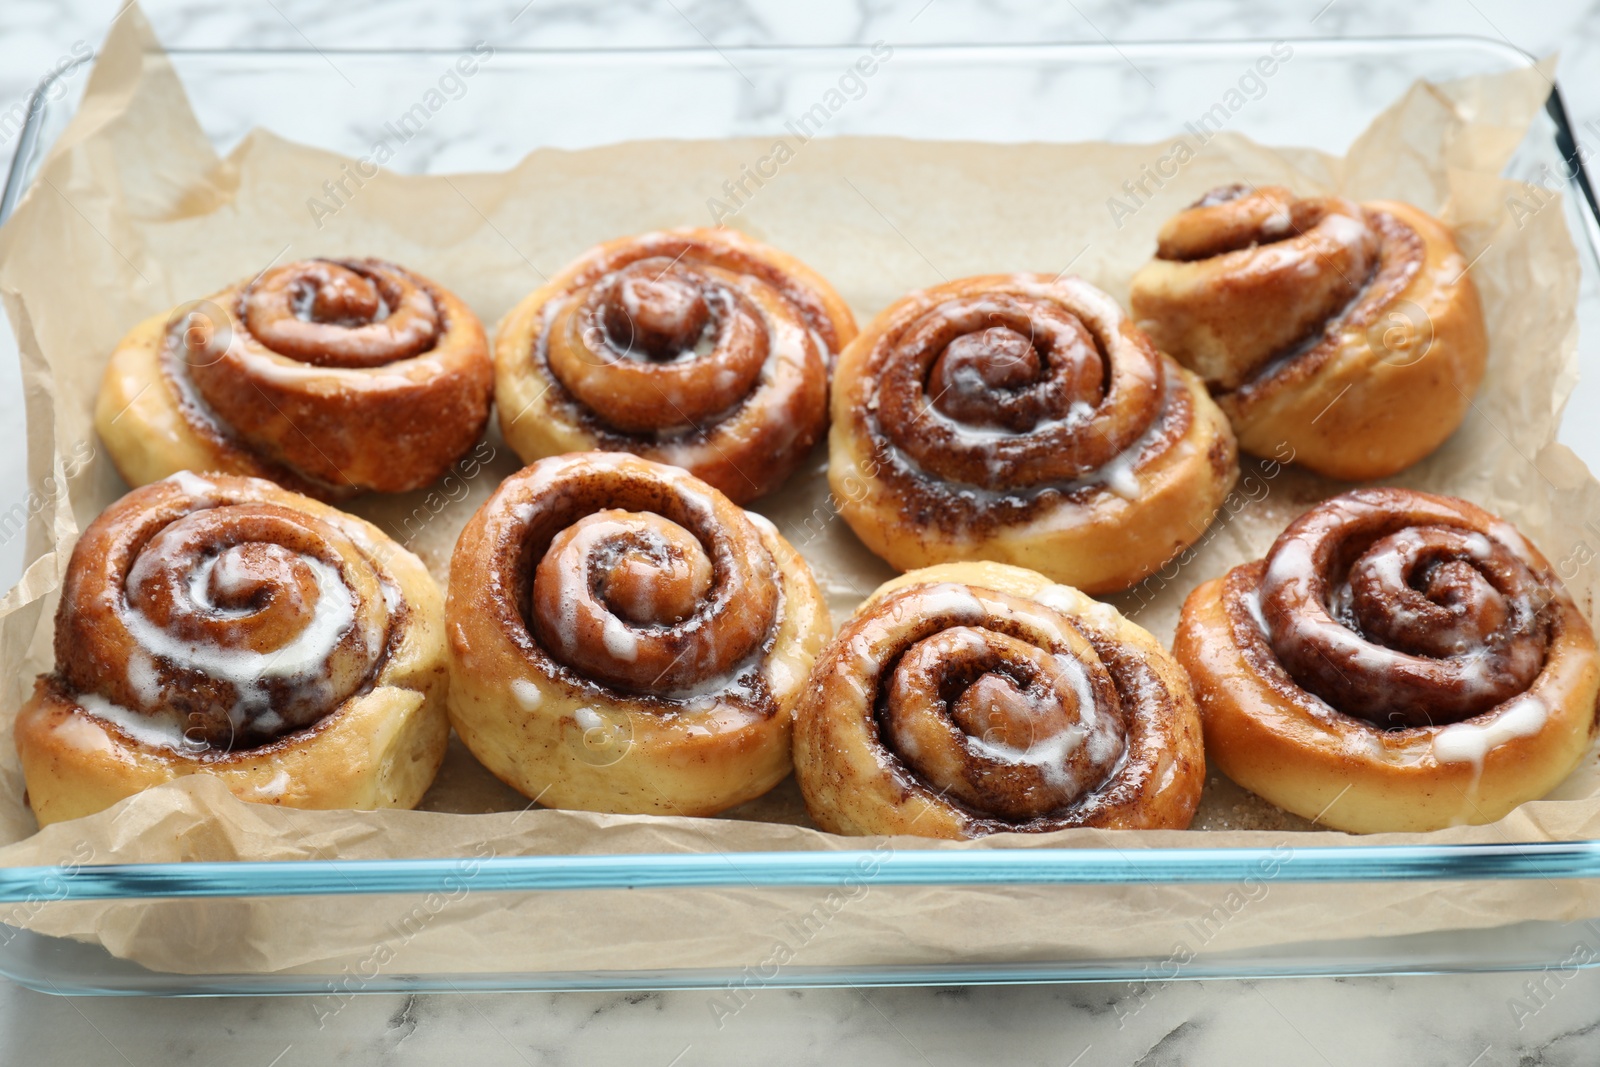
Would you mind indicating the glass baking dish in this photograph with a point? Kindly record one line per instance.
(523, 99)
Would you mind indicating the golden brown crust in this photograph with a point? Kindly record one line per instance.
(1023, 419)
(595, 358)
(1434, 616)
(976, 698)
(624, 638)
(1353, 333)
(329, 377)
(214, 624)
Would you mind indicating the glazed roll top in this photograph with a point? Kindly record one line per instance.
(1023, 419)
(699, 348)
(1008, 709)
(1351, 333)
(221, 625)
(659, 592)
(970, 699)
(350, 373)
(626, 638)
(328, 376)
(1400, 660)
(1238, 252)
(1009, 390)
(1405, 615)
(240, 619)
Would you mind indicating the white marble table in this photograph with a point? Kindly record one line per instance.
(1465, 1021)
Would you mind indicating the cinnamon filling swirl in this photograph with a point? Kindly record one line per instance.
(628, 579)
(234, 620)
(331, 376)
(699, 348)
(1014, 716)
(1399, 608)
(989, 408)
(1400, 660)
(956, 710)
(1277, 282)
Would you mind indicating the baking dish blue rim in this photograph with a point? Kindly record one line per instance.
(906, 866)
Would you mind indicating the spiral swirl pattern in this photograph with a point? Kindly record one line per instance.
(220, 625)
(1407, 653)
(1403, 609)
(1011, 390)
(1002, 415)
(698, 348)
(1314, 319)
(333, 314)
(1245, 251)
(664, 590)
(952, 708)
(634, 616)
(329, 377)
(202, 603)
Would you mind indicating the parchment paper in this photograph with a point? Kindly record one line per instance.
(134, 213)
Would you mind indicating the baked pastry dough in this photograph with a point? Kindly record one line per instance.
(1399, 661)
(625, 638)
(978, 698)
(214, 624)
(327, 376)
(1023, 419)
(700, 348)
(1351, 333)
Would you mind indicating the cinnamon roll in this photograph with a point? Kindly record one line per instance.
(625, 638)
(1351, 332)
(700, 348)
(216, 624)
(1398, 661)
(328, 376)
(1023, 419)
(978, 698)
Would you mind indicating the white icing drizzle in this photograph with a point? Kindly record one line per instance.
(160, 730)
(84, 733)
(1068, 601)
(739, 682)
(245, 668)
(951, 598)
(225, 570)
(1291, 567)
(276, 787)
(1277, 224)
(631, 303)
(779, 676)
(142, 678)
(1470, 742)
(1508, 535)
(192, 484)
(1049, 754)
(787, 347)
(1094, 728)
(1119, 475)
(620, 641)
(1102, 316)
(1344, 229)
(1291, 564)
(526, 694)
